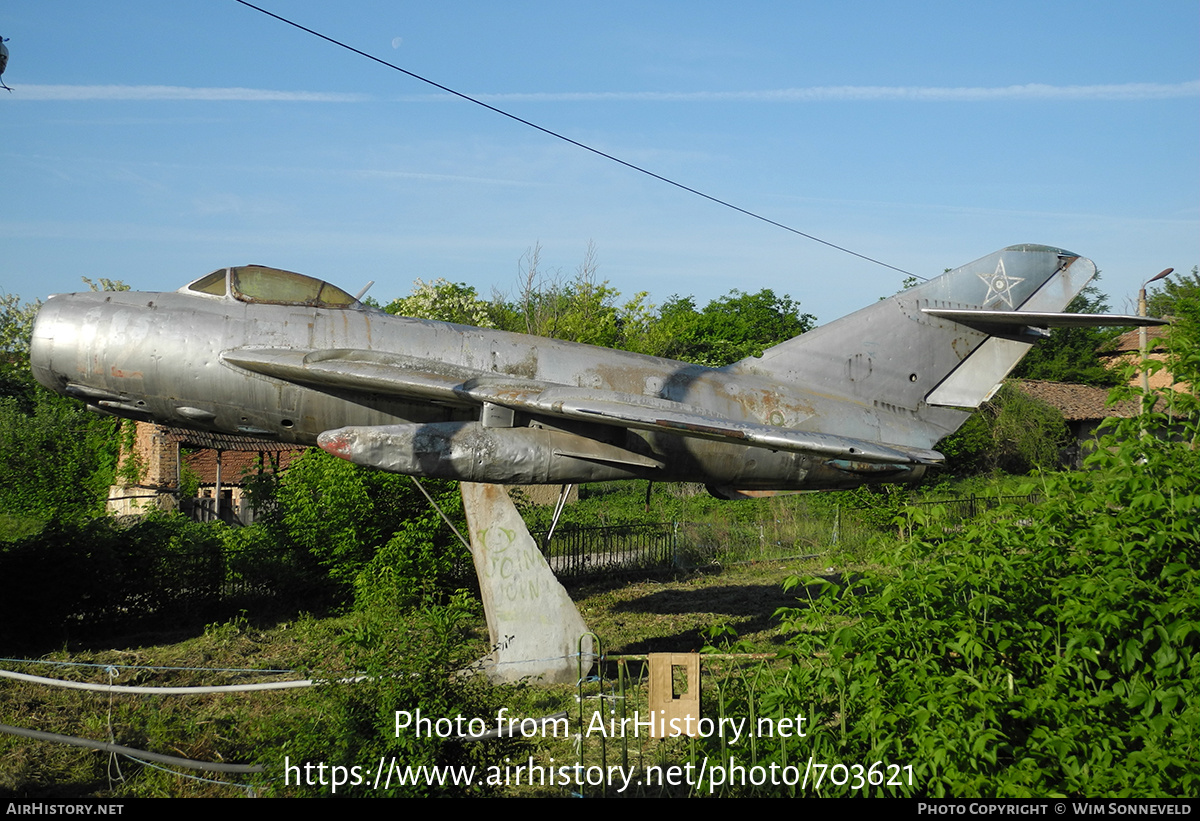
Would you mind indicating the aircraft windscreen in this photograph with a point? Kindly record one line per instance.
(214, 284)
(254, 283)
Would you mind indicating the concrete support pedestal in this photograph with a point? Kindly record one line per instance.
(534, 625)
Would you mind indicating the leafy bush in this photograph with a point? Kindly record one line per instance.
(1047, 650)
(412, 661)
(369, 530)
(1013, 433)
(257, 566)
(56, 459)
(77, 578)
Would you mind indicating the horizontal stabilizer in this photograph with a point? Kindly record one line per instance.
(989, 320)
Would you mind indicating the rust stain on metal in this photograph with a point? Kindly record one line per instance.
(527, 366)
(772, 408)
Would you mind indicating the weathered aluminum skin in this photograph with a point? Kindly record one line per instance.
(858, 400)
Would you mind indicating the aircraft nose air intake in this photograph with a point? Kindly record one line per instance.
(68, 349)
(48, 331)
(78, 349)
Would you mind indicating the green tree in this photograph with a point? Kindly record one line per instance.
(729, 328)
(1012, 432)
(583, 308)
(444, 301)
(586, 309)
(1073, 354)
(16, 332)
(16, 329)
(1178, 295)
(105, 284)
(372, 531)
(56, 458)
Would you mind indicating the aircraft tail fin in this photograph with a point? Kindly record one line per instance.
(914, 360)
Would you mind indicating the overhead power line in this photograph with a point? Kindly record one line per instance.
(576, 143)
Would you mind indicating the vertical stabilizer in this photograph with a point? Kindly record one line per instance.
(915, 369)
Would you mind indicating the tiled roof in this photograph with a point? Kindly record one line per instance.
(227, 441)
(234, 464)
(1156, 337)
(1077, 402)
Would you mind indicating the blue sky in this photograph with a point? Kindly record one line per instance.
(153, 142)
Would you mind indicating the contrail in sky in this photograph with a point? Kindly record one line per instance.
(815, 94)
(1029, 91)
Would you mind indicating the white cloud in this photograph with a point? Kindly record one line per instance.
(114, 92)
(1029, 91)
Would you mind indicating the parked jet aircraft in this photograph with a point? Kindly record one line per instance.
(270, 353)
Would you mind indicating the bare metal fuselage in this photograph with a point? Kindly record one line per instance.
(165, 357)
(267, 353)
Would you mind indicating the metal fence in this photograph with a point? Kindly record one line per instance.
(615, 698)
(575, 553)
(579, 553)
(972, 506)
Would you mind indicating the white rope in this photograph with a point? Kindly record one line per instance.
(173, 691)
(120, 749)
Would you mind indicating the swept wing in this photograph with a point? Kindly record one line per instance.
(410, 377)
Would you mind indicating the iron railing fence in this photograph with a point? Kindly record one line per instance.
(580, 552)
(179, 584)
(972, 506)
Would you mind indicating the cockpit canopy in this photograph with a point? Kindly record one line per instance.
(257, 283)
